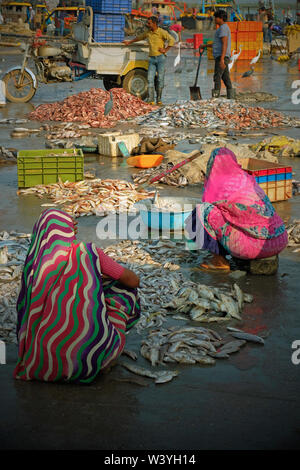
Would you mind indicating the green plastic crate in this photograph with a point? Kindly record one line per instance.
(48, 165)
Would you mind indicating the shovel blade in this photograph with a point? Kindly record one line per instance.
(123, 149)
(195, 93)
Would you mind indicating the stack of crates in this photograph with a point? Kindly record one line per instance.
(245, 34)
(109, 20)
(249, 38)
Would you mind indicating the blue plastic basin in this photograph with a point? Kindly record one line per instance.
(162, 219)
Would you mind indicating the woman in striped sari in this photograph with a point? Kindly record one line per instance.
(74, 308)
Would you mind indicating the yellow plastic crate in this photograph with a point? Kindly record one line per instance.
(47, 166)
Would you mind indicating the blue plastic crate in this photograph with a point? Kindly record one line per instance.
(116, 6)
(109, 36)
(108, 28)
(110, 6)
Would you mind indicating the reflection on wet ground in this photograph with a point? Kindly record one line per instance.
(250, 401)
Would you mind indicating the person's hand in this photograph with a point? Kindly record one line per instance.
(75, 223)
(126, 43)
(162, 50)
(222, 64)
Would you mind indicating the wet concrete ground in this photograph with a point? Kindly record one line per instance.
(250, 401)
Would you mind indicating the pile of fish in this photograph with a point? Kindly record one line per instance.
(89, 197)
(293, 230)
(66, 131)
(88, 107)
(215, 114)
(7, 156)
(209, 304)
(171, 294)
(191, 345)
(177, 136)
(176, 178)
(186, 345)
(13, 250)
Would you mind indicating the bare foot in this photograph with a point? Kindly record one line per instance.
(216, 263)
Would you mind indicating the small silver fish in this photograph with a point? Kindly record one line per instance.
(232, 346)
(164, 376)
(130, 354)
(139, 370)
(247, 337)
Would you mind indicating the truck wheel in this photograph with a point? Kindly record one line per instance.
(18, 93)
(110, 82)
(136, 83)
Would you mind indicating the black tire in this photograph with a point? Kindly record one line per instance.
(16, 94)
(110, 81)
(136, 83)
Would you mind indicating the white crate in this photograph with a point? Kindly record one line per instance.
(108, 143)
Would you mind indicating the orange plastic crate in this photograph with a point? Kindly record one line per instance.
(243, 26)
(252, 35)
(244, 55)
(251, 54)
(242, 36)
(233, 37)
(255, 26)
(232, 26)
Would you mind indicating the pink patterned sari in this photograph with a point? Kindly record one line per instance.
(237, 213)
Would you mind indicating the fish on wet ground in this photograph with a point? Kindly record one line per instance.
(90, 196)
(89, 107)
(172, 294)
(159, 377)
(243, 335)
(13, 251)
(187, 345)
(215, 114)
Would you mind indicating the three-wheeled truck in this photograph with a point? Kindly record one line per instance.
(118, 65)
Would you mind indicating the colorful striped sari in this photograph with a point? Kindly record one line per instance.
(71, 324)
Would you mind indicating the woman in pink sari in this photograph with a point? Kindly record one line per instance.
(236, 217)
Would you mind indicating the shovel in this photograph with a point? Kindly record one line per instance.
(124, 151)
(175, 167)
(195, 93)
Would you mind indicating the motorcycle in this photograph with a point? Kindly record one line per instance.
(52, 65)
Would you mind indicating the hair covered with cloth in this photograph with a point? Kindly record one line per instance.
(236, 212)
(71, 324)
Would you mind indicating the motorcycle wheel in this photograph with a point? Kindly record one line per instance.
(18, 93)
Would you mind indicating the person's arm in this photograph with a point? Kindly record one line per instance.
(129, 278)
(224, 40)
(138, 38)
(110, 268)
(167, 38)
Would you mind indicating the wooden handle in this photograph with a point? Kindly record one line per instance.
(175, 167)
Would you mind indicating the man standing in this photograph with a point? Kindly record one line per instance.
(222, 52)
(157, 38)
(263, 17)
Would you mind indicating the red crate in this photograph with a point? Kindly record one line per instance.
(198, 40)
